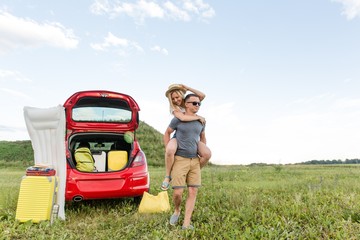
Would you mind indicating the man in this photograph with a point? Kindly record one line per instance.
(186, 168)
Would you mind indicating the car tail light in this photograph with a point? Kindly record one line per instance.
(139, 160)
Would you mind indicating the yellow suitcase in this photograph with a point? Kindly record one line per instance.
(117, 160)
(37, 197)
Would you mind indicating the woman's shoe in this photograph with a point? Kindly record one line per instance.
(165, 185)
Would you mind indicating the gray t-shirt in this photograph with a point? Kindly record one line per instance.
(187, 136)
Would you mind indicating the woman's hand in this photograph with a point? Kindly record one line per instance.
(202, 120)
(184, 87)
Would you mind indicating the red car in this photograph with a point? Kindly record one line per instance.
(107, 122)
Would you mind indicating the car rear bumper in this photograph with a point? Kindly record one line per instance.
(84, 186)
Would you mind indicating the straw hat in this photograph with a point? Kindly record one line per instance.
(174, 87)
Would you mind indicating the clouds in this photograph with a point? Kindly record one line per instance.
(11, 80)
(160, 50)
(18, 32)
(7, 75)
(348, 103)
(124, 46)
(14, 93)
(176, 13)
(139, 10)
(142, 9)
(199, 7)
(351, 8)
(111, 41)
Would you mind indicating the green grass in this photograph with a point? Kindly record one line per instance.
(235, 202)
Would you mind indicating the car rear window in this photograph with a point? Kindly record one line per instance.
(91, 109)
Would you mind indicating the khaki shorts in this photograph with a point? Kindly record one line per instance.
(186, 172)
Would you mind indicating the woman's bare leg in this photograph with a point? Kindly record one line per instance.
(205, 154)
(169, 158)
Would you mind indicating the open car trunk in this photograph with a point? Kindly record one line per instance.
(103, 146)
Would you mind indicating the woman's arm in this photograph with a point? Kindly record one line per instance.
(197, 92)
(187, 118)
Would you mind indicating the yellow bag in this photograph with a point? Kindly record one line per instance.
(84, 160)
(154, 204)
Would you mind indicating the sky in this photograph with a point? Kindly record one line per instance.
(281, 78)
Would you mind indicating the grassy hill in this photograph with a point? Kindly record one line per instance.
(151, 142)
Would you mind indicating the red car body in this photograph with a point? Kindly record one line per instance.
(102, 118)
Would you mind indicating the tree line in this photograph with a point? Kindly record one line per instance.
(346, 161)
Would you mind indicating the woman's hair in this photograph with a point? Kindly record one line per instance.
(181, 94)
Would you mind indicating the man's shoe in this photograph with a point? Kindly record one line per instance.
(190, 227)
(174, 219)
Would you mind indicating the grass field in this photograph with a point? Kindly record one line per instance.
(237, 202)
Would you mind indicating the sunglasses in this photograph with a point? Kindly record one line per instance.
(195, 103)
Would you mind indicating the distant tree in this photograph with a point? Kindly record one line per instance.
(334, 161)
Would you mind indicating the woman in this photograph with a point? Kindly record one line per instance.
(175, 95)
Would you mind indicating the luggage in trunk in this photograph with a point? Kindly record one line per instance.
(117, 160)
